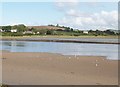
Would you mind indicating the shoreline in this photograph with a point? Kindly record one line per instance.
(104, 57)
(55, 69)
(64, 40)
(61, 36)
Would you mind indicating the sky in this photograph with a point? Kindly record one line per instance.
(78, 15)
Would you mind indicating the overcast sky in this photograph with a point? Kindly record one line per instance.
(81, 15)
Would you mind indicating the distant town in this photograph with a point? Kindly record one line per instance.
(22, 30)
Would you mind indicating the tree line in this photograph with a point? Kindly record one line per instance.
(67, 31)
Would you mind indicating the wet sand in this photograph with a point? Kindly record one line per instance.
(55, 69)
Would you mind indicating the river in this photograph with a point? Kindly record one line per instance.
(110, 51)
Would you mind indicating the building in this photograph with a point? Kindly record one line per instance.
(28, 32)
(13, 30)
(85, 32)
(38, 32)
(1, 30)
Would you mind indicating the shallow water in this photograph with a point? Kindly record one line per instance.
(110, 51)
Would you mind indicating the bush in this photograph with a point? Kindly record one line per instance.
(16, 34)
(12, 34)
(49, 32)
(28, 34)
(76, 35)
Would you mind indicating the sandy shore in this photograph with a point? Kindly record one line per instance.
(56, 69)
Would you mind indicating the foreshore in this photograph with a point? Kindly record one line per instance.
(56, 69)
(82, 39)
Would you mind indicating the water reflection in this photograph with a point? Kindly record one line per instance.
(14, 43)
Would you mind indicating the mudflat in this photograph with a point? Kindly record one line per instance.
(55, 69)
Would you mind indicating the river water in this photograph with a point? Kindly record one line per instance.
(110, 51)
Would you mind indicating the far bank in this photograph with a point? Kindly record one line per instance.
(71, 39)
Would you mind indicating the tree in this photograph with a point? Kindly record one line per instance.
(90, 31)
(21, 28)
(57, 25)
(14, 27)
(109, 32)
(98, 32)
(51, 25)
(71, 29)
(31, 29)
(6, 28)
(49, 32)
(42, 31)
(67, 29)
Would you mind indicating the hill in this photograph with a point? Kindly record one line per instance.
(46, 27)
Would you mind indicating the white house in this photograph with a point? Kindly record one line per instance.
(1, 30)
(85, 32)
(38, 32)
(13, 30)
(28, 32)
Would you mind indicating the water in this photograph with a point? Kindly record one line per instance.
(110, 51)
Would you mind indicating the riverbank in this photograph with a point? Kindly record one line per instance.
(68, 39)
(60, 36)
(55, 69)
